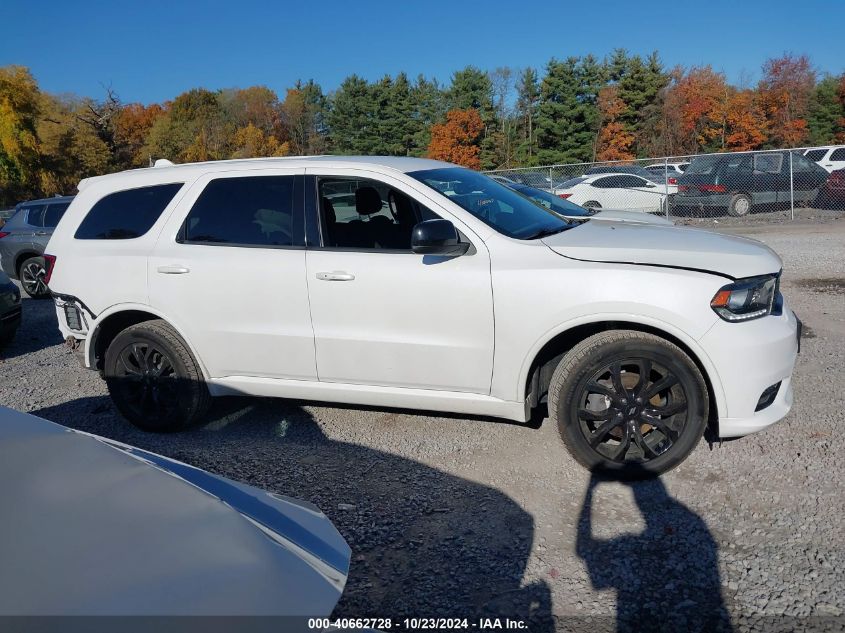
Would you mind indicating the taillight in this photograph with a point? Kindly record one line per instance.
(712, 188)
(673, 181)
(49, 265)
(564, 195)
(683, 187)
(3, 233)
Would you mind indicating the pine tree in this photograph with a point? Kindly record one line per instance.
(567, 121)
(429, 107)
(349, 119)
(826, 112)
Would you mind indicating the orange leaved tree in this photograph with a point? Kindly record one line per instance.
(614, 141)
(457, 140)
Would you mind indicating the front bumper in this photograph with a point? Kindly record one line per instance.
(749, 358)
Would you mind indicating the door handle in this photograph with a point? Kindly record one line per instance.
(173, 270)
(42, 233)
(335, 276)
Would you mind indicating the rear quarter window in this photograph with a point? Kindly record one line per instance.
(126, 214)
(816, 154)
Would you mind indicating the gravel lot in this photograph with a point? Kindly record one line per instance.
(450, 516)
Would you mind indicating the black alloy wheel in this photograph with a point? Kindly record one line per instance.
(628, 403)
(153, 378)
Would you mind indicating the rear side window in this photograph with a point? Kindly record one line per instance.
(838, 154)
(35, 215)
(54, 213)
(768, 163)
(248, 211)
(126, 214)
(815, 154)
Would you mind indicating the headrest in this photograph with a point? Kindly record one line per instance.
(367, 200)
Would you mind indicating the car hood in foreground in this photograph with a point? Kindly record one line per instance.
(672, 246)
(95, 527)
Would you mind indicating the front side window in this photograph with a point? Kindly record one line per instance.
(366, 214)
(838, 154)
(501, 208)
(248, 211)
(126, 214)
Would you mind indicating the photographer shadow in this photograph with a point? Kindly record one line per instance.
(666, 578)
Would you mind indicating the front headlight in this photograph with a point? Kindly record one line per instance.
(746, 299)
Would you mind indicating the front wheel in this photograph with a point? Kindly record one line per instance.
(32, 274)
(591, 204)
(153, 378)
(628, 403)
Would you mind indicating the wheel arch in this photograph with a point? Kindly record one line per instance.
(22, 256)
(115, 319)
(537, 371)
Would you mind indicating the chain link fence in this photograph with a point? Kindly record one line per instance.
(732, 187)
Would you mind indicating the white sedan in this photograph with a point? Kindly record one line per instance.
(616, 191)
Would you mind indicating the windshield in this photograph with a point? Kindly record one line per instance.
(553, 202)
(507, 211)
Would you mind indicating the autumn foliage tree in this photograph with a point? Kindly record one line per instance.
(457, 140)
(785, 92)
(614, 141)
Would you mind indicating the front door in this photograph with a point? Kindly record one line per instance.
(383, 315)
(229, 271)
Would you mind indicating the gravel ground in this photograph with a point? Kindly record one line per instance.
(471, 517)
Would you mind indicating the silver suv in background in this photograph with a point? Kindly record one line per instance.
(23, 238)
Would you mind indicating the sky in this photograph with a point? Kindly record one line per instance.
(151, 51)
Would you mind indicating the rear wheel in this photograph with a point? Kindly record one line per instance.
(628, 403)
(153, 378)
(31, 274)
(739, 205)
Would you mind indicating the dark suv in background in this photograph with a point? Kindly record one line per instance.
(23, 238)
(738, 183)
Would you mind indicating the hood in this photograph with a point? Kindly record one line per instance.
(672, 246)
(103, 528)
(632, 216)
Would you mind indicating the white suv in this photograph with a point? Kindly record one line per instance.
(831, 157)
(404, 282)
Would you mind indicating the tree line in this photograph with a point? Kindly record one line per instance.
(578, 109)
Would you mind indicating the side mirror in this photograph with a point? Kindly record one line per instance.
(437, 237)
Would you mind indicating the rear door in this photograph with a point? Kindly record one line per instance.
(229, 270)
(807, 178)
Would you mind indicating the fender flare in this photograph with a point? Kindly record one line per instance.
(711, 373)
(90, 340)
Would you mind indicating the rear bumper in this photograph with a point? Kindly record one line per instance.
(750, 358)
(700, 202)
(10, 308)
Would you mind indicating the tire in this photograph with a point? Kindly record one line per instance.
(591, 204)
(153, 378)
(662, 430)
(31, 275)
(739, 205)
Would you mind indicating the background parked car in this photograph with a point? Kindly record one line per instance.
(833, 192)
(23, 239)
(737, 183)
(97, 527)
(831, 157)
(572, 211)
(10, 309)
(671, 171)
(616, 191)
(636, 170)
